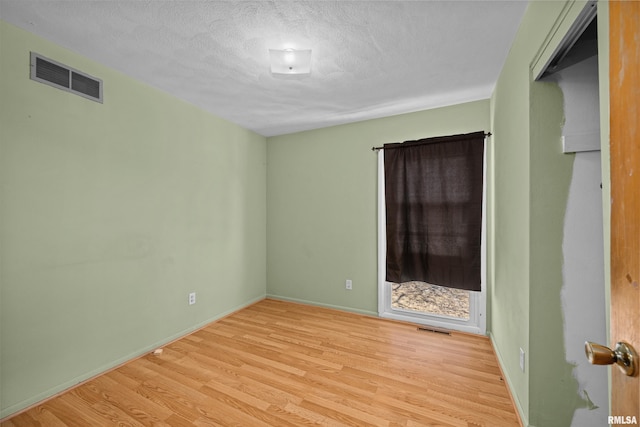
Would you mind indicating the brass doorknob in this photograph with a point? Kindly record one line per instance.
(623, 355)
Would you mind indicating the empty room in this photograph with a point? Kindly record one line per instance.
(333, 213)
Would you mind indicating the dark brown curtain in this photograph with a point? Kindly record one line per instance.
(433, 194)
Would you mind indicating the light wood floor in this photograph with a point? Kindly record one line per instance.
(283, 364)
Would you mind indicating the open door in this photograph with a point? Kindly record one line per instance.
(624, 101)
(624, 36)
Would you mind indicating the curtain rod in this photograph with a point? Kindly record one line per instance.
(487, 134)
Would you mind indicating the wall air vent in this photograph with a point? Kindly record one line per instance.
(52, 73)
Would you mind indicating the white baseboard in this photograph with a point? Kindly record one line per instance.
(524, 421)
(319, 304)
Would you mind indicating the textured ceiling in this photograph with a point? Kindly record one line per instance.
(369, 58)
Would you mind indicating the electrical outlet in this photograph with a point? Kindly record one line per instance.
(348, 284)
(522, 360)
(192, 298)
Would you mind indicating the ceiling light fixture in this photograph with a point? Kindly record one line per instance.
(290, 61)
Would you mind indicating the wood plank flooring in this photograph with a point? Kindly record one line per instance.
(277, 363)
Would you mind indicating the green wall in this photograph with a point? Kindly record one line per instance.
(531, 180)
(110, 215)
(322, 203)
(509, 241)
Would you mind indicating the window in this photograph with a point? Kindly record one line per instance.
(431, 228)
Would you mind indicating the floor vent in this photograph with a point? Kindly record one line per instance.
(52, 73)
(435, 330)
